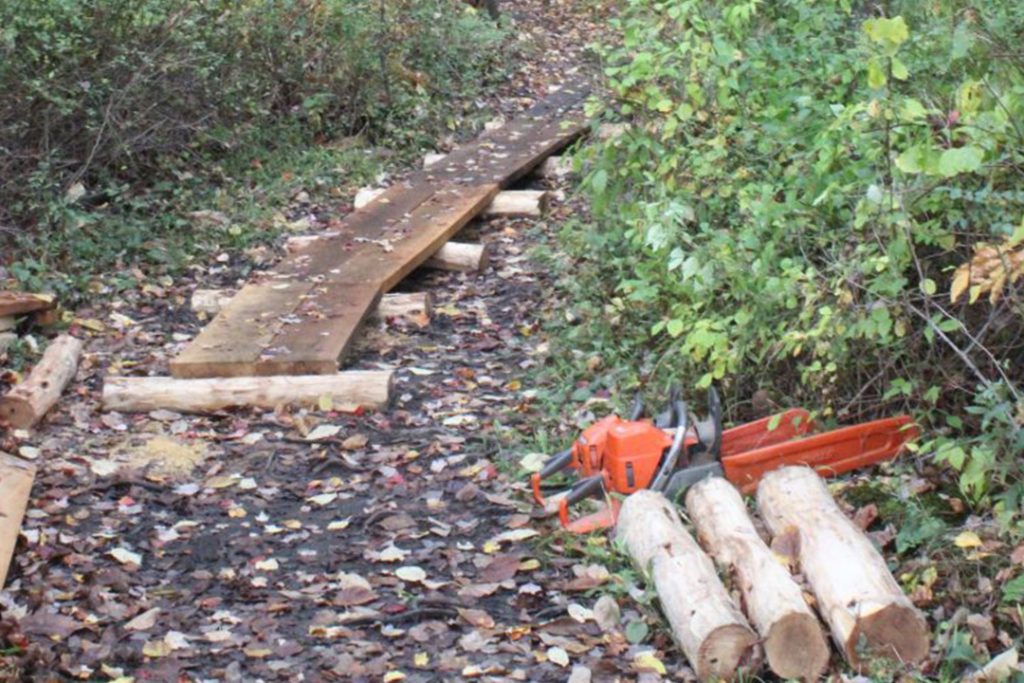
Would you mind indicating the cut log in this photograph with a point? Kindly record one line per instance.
(345, 391)
(6, 340)
(856, 594)
(555, 168)
(29, 401)
(8, 323)
(513, 203)
(367, 195)
(405, 305)
(16, 477)
(705, 622)
(794, 644)
(461, 257)
(433, 159)
(610, 131)
(210, 301)
(15, 303)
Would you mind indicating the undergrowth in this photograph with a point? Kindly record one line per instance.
(822, 204)
(121, 119)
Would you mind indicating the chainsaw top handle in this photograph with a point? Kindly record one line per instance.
(677, 450)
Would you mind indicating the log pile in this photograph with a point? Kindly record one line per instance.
(853, 590)
(341, 390)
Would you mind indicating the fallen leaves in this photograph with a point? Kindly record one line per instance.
(411, 574)
(125, 556)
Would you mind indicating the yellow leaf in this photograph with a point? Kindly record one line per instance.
(91, 324)
(391, 676)
(647, 660)
(967, 539)
(490, 547)
(156, 648)
(421, 660)
(961, 280)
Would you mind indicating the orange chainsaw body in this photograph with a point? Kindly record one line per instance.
(627, 452)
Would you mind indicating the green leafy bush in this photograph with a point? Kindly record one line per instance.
(798, 185)
(112, 105)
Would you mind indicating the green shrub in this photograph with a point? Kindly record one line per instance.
(797, 188)
(112, 105)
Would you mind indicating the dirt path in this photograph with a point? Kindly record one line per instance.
(232, 548)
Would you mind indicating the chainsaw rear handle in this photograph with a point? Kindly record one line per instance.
(556, 463)
(584, 488)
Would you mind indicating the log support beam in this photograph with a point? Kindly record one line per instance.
(393, 305)
(345, 391)
(461, 257)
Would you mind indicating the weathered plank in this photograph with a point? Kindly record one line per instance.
(300, 317)
(17, 303)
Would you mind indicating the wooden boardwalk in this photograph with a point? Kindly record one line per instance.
(300, 317)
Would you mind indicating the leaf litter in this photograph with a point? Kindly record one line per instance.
(318, 545)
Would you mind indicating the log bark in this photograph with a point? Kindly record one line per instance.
(794, 644)
(367, 195)
(8, 323)
(705, 622)
(610, 131)
(347, 391)
(16, 303)
(518, 203)
(555, 168)
(856, 594)
(404, 305)
(461, 257)
(29, 401)
(433, 159)
(16, 477)
(396, 305)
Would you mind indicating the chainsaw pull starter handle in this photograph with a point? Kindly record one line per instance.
(558, 462)
(585, 488)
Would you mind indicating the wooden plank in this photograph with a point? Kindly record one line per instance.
(300, 317)
(16, 477)
(17, 303)
(233, 341)
(326, 314)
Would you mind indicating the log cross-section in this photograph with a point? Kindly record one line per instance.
(706, 623)
(28, 402)
(856, 593)
(794, 644)
(300, 317)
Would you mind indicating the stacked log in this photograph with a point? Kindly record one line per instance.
(793, 641)
(857, 595)
(705, 621)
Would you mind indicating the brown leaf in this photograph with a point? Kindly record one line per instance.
(477, 617)
(866, 516)
(786, 547)
(501, 568)
(355, 595)
(475, 591)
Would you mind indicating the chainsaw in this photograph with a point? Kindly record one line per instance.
(672, 451)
